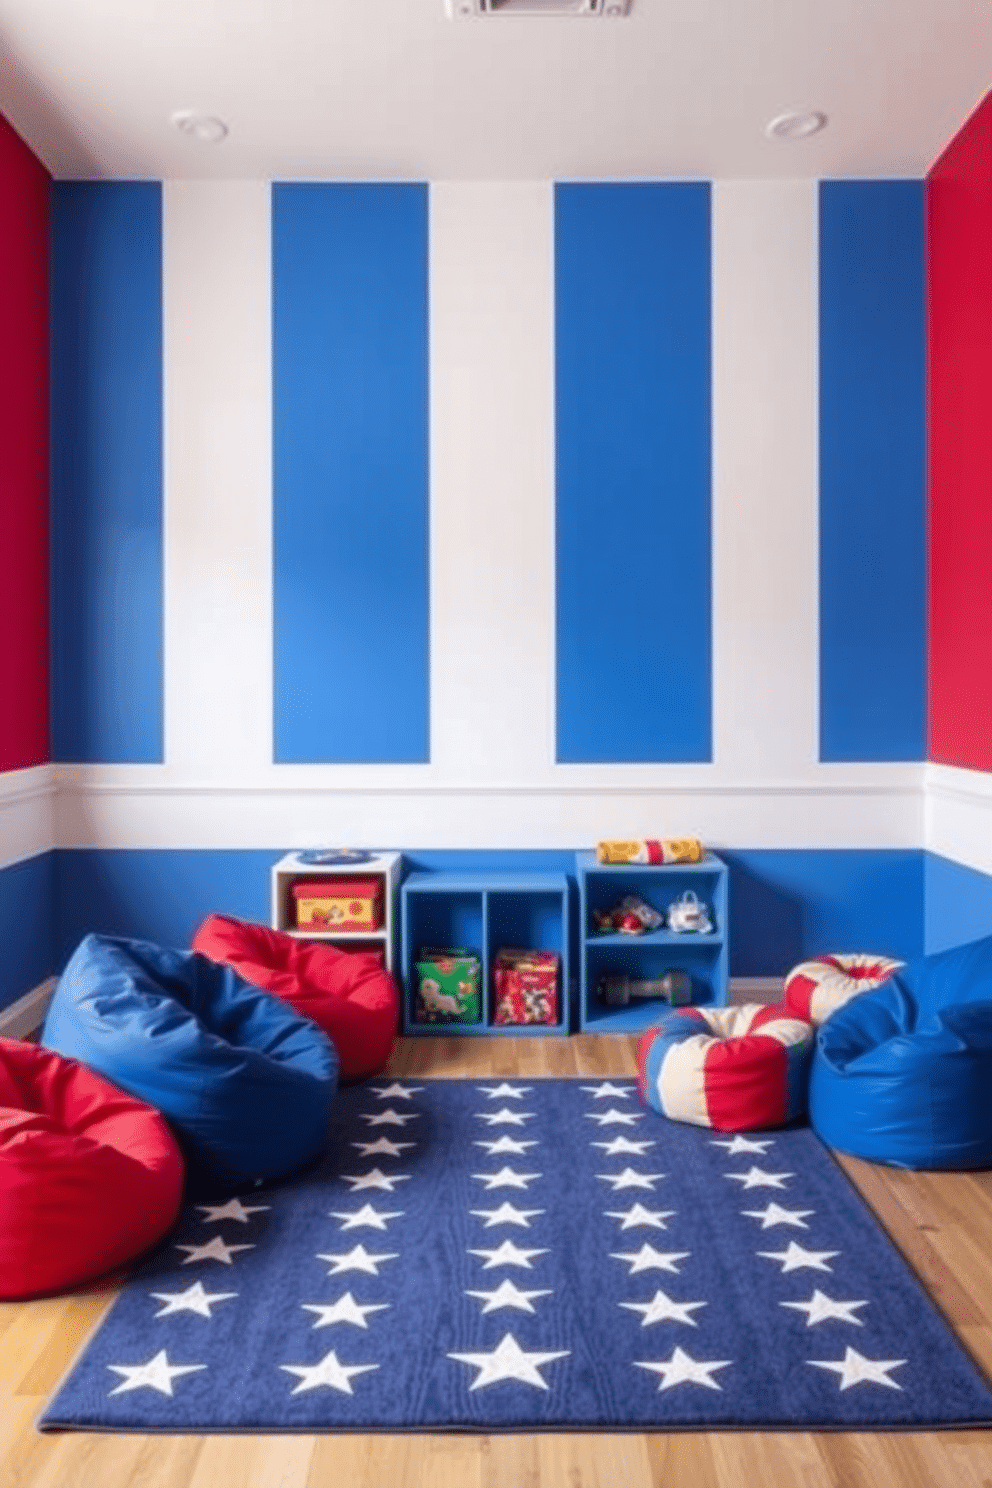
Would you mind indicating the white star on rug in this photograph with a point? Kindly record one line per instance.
(507, 1254)
(794, 1258)
(638, 1215)
(383, 1146)
(820, 1307)
(507, 1295)
(649, 1259)
(368, 1216)
(374, 1179)
(629, 1179)
(758, 1178)
(498, 1092)
(623, 1144)
(663, 1309)
(509, 1361)
(157, 1374)
(390, 1118)
(214, 1250)
(613, 1118)
(774, 1214)
(504, 1117)
(607, 1091)
(855, 1369)
(193, 1299)
(737, 1144)
(396, 1092)
(233, 1209)
(327, 1372)
(507, 1144)
(344, 1310)
(506, 1214)
(681, 1370)
(357, 1259)
(506, 1178)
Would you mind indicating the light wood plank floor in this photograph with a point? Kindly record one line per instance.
(943, 1223)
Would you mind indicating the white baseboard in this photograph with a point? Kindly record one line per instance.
(27, 1014)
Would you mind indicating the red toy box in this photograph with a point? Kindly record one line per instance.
(339, 904)
(526, 986)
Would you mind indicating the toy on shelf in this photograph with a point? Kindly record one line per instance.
(651, 851)
(338, 904)
(448, 986)
(526, 986)
(632, 916)
(689, 914)
(675, 987)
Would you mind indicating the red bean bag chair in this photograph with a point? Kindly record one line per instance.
(350, 994)
(89, 1176)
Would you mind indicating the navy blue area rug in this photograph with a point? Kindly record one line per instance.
(551, 1255)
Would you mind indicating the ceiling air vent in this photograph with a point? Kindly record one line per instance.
(463, 10)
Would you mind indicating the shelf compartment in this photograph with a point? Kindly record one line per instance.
(449, 921)
(606, 888)
(484, 913)
(649, 956)
(646, 963)
(532, 920)
(385, 867)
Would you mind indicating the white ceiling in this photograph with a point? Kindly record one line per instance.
(392, 89)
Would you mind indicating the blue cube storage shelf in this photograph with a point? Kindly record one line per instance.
(649, 956)
(483, 912)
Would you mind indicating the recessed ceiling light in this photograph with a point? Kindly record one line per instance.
(462, 10)
(796, 125)
(206, 128)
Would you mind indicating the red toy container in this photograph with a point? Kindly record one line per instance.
(526, 986)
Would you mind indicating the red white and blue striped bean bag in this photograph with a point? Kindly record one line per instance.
(817, 988)
(731, 1068)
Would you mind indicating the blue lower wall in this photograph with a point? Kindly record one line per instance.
(784, 906)
(788, 905)
(27, 933)
(958, 904)
(158, 895)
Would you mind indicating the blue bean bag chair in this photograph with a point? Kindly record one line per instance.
(246, 1083)
(903, 1074)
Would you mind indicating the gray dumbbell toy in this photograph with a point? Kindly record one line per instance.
(620, 991)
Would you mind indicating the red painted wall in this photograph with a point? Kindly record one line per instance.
(24, 187)
(959, 232)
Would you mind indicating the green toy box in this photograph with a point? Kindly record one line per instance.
(448, 985)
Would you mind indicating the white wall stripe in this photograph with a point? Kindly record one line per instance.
(765, 526)
(492, 480)
(218, 476)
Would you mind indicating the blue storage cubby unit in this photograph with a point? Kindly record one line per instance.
(482, 912)
(649, 956)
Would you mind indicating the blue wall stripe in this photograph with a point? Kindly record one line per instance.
(106, 339)
(872, 471)
(632, 286)
(350, 586)
(27, 917)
